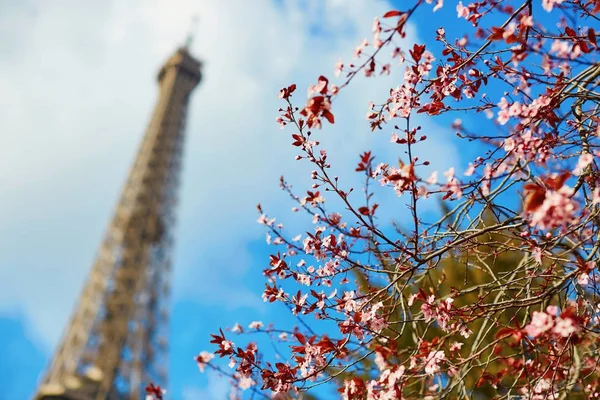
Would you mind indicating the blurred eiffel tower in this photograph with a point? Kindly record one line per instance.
(116, 340)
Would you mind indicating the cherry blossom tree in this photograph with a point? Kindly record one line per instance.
(494, 297)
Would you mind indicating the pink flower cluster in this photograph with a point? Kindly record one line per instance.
(558, 210)
(527, 147)
(549, 323)
(443, 313)
(388, 386)
(522, 111)
(400, 178)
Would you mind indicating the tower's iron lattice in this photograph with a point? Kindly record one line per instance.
(116, 340)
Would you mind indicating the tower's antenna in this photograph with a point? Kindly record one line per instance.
(193, 28)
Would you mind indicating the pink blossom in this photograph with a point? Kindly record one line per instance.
(227, 344)
(433, 360)
(548, 5)
(464, 331)
(299, 302)
(452, 185)
(540, 323)
(411, 299)
(281, 122)
(428, 58)
(553, 310)
(486, 185)
(330, 266)
(334, 218)
(380, 361)
(515, 109)
(565, 327)
(542, 391)
(350, 305)
(203, 358)
(463, 12)
(303, 279)
(583, 279)
(455, 346)
(376, 25)
(449, 173)
(350, 389)
(255, 325)
(427, 308)
(509, 144)
(503, 114)
(469, 92)
(265, 221)
(527, 146)
(585, 159)
(423, 191)
(398, 53)
(360, 48)
(471, 170)
(432, 180)
(339, 66)
(350, 326)
(509, 30)
(378, 324)
(561, 48)
(526, 20)
(246, 383)
(557, 210)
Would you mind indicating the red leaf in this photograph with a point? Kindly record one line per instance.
(300, 337)
(328, 116)
(592, 36)
(556, 183)
(394, 13)
(432, 108)
(497, 33)
(417, 51)
(534, 197)
(570, 32)
(504, 332)
(298, 140)
(374, 208)
(357, 317)
(584, 47)
(364, 210)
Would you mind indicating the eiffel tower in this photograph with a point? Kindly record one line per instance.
(116, 341)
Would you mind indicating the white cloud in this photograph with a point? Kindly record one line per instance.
(77, 86)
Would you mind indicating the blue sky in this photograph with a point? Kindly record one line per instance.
(78, 85)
